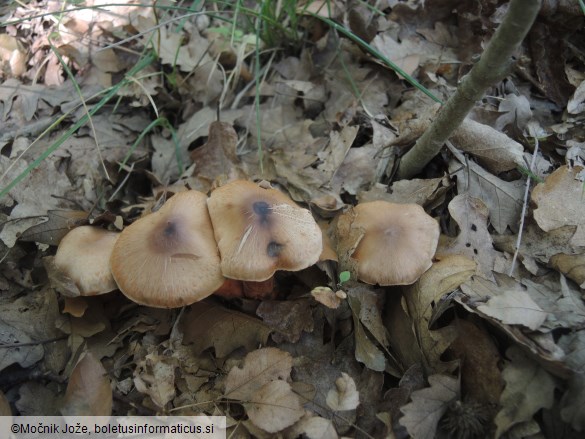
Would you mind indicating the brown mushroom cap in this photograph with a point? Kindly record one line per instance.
(387, 243)
(84, 256)
(169, 258)
(260, 230)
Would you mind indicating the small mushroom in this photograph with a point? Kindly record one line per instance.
(260, 230)
(169, 258)
(84, 257)
(386, 243)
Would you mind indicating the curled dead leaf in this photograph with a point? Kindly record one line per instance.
(345, 395)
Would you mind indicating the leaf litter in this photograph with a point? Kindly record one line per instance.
(477, 347)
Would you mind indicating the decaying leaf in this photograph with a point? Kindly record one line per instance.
(572, 266)
(560, 202)
(515, 308)
(326, 296)
(345, 395)
(216, 160)
(89, 392)
(503, 198)
(370, 311)
(274, 406)
(260, 367)
(428, 405)
(208, 325)
(287, 318)
(442, 278)
(419, 191)
(366, 351)
(37, 398)
(262, 385)
(474, 240)
(528, 389)
(515, 109)
(537, 245)
(30, 319)
(493, 149)
(12, 230)
(56, 225)
(314, 427)
(155, 376)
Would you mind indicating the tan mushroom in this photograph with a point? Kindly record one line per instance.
(84, 257)
(260, 230)
(169, 258)
(387, 243)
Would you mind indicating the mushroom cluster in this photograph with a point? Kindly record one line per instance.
(185, 251)
(193, 245)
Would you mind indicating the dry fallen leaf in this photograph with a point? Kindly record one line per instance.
(474, 240)
(89, 392)
(289, 319)
(560, 202)
(216, 160)
(345, 395)
(274, 406)
(155, 376)
(208, 325)
(428, 405)
(528, 389)
(366, 351)
(442, 278)
(515, 308)
(419, 191)
(260, 367)
(314, 427)
(326, 296)
(503, 198)
(37, 398)
(572, 266)
(493, 149)
(29, 319)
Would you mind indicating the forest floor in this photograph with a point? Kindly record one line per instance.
(107, 109)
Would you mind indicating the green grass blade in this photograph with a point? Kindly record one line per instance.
(378, 55)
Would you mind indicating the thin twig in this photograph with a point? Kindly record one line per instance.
(32, 343)
(524, 206)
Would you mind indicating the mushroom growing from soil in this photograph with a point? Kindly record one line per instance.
(386, 243)
(260, 230)
(169, 258)
(84, 257)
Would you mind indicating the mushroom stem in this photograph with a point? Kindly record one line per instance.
(262, 290)
(231, 288)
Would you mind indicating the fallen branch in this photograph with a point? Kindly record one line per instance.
(491, 68)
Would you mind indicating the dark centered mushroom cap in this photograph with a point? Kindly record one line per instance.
(387, 243)
(169, 258)
(260, 230)
(84, 256)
